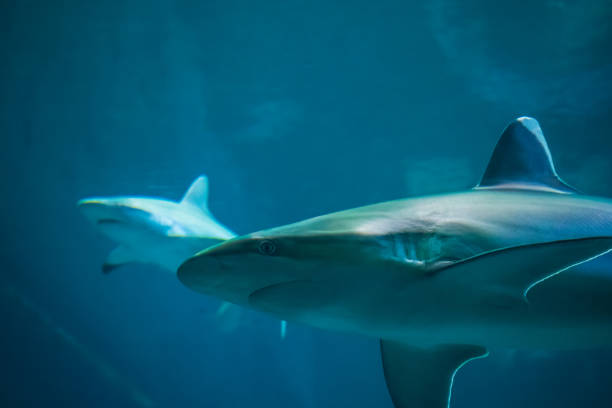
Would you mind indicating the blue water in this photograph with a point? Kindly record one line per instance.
(292, 109)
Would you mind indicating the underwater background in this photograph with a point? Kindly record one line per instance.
(293, 109)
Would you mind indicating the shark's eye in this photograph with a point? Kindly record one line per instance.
(267, 247)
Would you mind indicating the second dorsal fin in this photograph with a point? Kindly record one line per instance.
(522, 160)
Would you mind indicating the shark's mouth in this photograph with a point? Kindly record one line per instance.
(106, 221)
(217, 276)
(275, 285)
(294, 297)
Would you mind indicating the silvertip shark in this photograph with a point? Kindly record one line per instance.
(438, 279)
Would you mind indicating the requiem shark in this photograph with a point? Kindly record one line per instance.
(439, 279)
(155, 230)
(158, 231)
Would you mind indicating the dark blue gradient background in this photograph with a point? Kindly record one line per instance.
(293, 109)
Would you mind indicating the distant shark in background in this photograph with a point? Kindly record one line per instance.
(439, 279)
(158, 231)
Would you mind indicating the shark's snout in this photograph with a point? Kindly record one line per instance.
(214, 262)
(115, 219)
(233, 270)
(97, 209)
(195, 272)
(232, 247)
(108, 211)
(217, 271)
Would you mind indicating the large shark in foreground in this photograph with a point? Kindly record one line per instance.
(438, 279)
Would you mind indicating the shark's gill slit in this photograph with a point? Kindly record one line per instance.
(421, 249)
(412, 249)
(398, 248)
(404, 249)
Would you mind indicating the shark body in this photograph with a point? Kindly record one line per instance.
(156, 231)
(438, 279)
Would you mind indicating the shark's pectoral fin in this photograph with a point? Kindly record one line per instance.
(423, 377)
(292, 296)
(512, 272)
(118, 257)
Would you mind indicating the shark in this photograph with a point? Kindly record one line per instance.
(156, 231)
(440, 279)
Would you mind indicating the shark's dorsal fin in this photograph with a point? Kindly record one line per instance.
(197, 195)
(522, 160)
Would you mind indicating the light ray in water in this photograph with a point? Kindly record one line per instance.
(102, 367)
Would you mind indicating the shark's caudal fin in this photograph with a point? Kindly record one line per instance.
(522, 160)
(197, 194)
